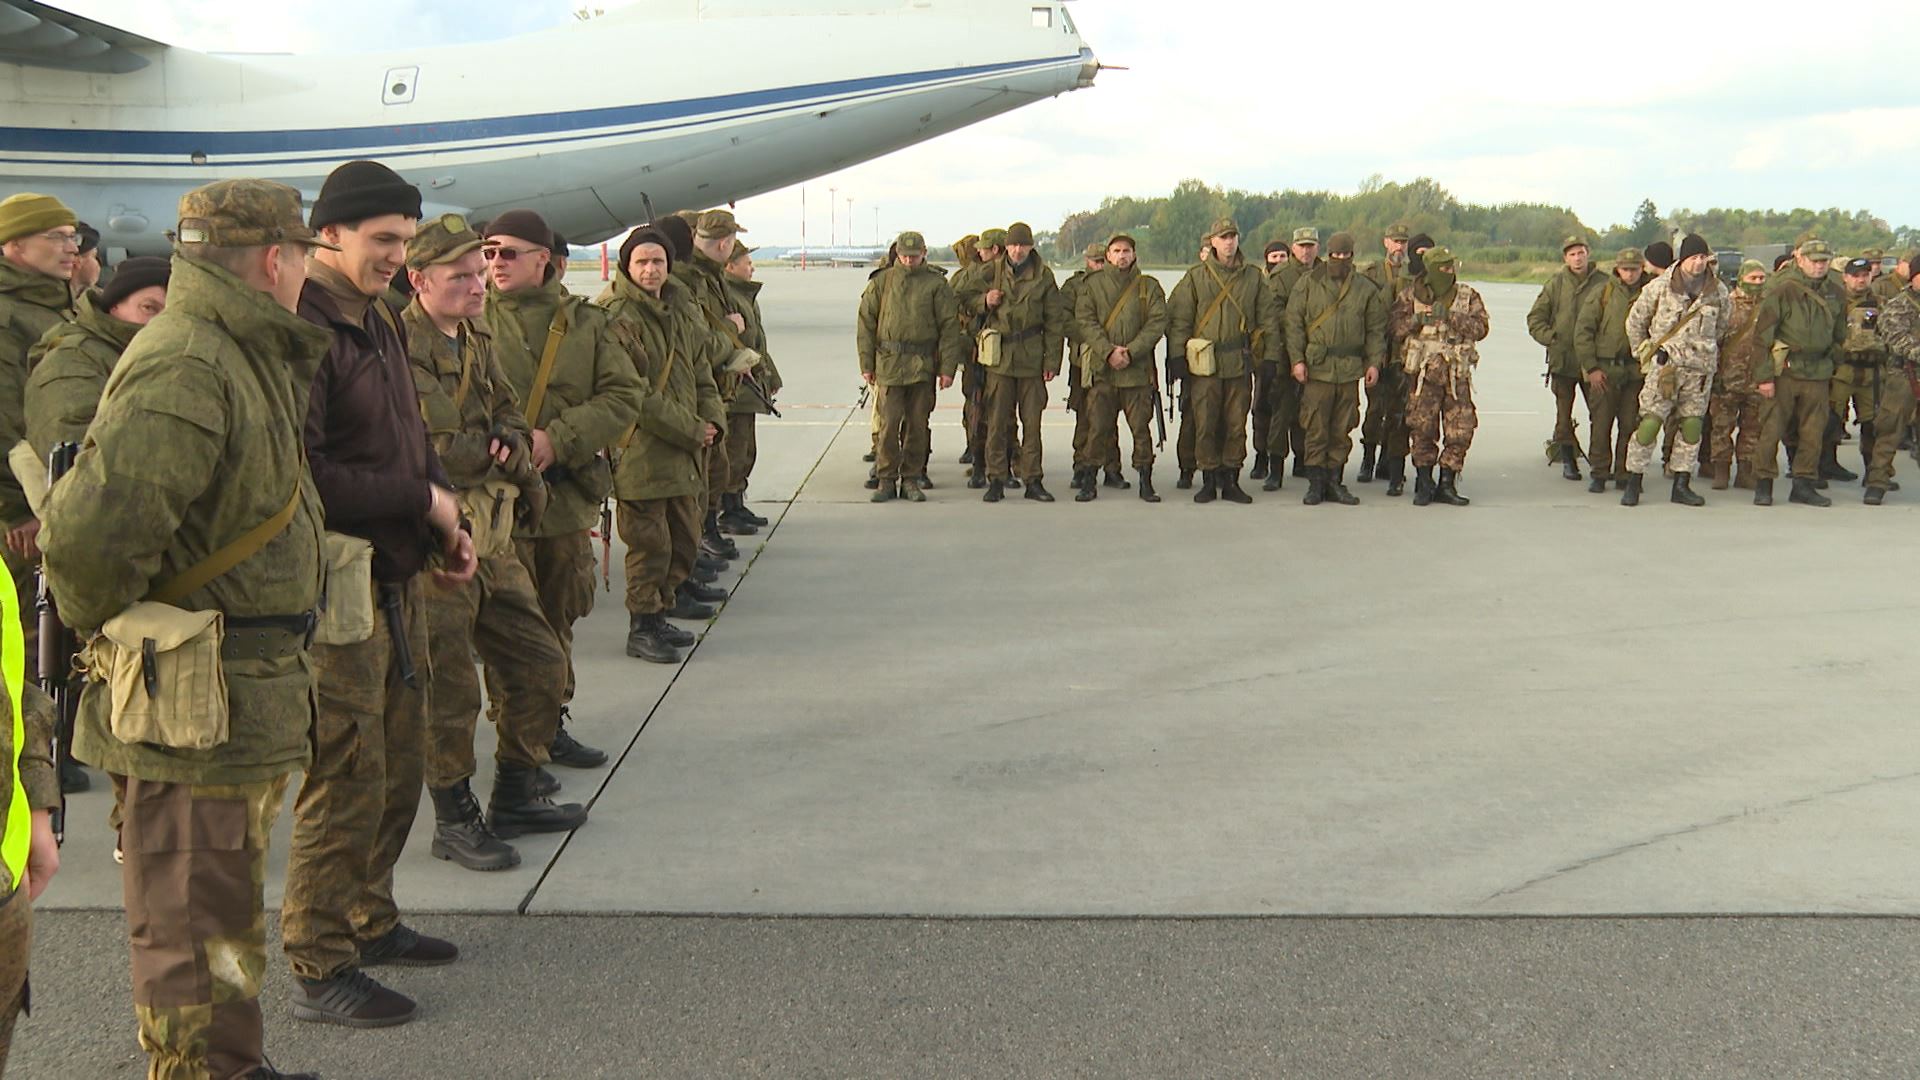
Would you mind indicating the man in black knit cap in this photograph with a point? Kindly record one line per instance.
(382, 485)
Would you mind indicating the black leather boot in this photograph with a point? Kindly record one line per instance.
(995, 492)
(1274, 474)
(1208, 492)
(1569, 463)
(1599, 482)
(1230, 487)
(1423, 485)
(1805, 493)
(1185, 480)
(977, 479)
(741, 511)
(1337, 491)
(1259, 470)
(1631, 497)
(1316, 486)
(1037, 491)
(686, 607)
(731, 520)
(873, 477)
(1367, 452)
(1683, 492)
(1115, 480)
(1087, 489)
(1147, 494)
(460, 832)
(1830, 467)
(705, 594)
(886, 492)
(1397, 477)
(514, 808)
(1446, 493)
(713, 542)
(646, 642)
(1762, 492)
(571, 752)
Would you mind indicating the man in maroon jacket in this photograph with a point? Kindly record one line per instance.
(380, 481)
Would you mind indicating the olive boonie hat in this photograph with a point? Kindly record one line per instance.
(910, 243)
(1306, 234)
(244, 213)
(1222, 227)
(716, 224)
(441, 240)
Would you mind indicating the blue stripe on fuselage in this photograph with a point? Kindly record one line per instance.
(100, 144)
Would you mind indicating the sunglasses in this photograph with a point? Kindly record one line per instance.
(505, 254)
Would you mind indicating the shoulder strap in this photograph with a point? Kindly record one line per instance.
(466, 371)
(1106, 324)
(199, 574)
(1219, 298)
(1678, 325)
(556, 332)
(1321, 319)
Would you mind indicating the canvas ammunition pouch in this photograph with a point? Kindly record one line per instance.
(1200, 357)
(489, 509)
(346, 604)
(987, 348)
(31, 472)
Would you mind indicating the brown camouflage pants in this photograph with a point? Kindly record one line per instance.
(1799, 408)
(562, 569)
(1220, 408)
(905, 413)
(1329, 412)
(1441, 409)
(1080, 400)
(663, 540)
(1894, 406)
(1185, 439)
(716, 472)
(194, 884)
(1105, 403)
(497, 615)
(1014, 401)
(743, 449)
(1731, 410)
(1284, 433)
(359, 797)
(1615, 412)
(16, 936)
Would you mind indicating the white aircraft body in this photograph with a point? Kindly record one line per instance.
(672, 103)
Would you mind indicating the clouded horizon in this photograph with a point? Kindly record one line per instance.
(1595, 109)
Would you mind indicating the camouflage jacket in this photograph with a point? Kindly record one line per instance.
(1888, 286)
(464, 399)
(1139, 324)
(1696, 325)
(1801, 324)
(1244, 327)
(704, 288)
(1551, 319)
(1862, 345)
(1352, 335)
(1899, 327)
(1431, 330)
(746, 297)
(31, 303)
(36, 775)
(592, 398)
(908, 330)
(1070, 300)
(1600, 333)
(663, 457)
(1740, 350)
(199, 440)
(69, 368)
(1031, 318)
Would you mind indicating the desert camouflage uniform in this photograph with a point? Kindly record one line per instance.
(1438, 358)
(1678, 388)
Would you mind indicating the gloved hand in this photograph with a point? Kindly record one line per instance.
(1176, 366)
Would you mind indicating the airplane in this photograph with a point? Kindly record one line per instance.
(630, 124)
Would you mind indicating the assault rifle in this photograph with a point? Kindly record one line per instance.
(58, 647)
(747, 380)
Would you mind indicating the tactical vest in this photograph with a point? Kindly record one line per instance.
(1436, 340)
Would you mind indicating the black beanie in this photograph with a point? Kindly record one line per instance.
(645, 234)
(360, 190)
(680, 234)
(1277, 245)
(132, 276)
(1416, 244)
(521, 225)
(1694, 244)
(1660, 254)
(89, 237)
(560, 246)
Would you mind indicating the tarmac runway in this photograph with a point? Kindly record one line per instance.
(1114, 789)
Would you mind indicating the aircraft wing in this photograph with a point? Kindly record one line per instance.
(36, 35)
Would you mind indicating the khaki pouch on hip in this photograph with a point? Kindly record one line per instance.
(1199, 356)
(161, 667)
(346, 614)
(489, 510)
(989, 343)
(31, 472)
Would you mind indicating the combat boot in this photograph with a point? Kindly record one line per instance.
(1743, 478)
(1423, 485)
(910, 491)
(740, 511)
(1115, 480)
(514, 808)
(1804, 492)
(1632, 495)
(571, 752)
(1599, 482)
(1337, 491)
(1208, 492)
(1088, 490)
(1038, 491)
(670, 634)
(1874, 496)
(1272, 482)
(544, 782)
(460, 832)
(1683, 491)
(1830, 467)
(868, 456)
(1079, 478)
(1147, 494)
(705, 594)
(351, 999)
(873, 477)
(966, 456)
(730, 519)
(718, 546)
(1569, 463)
(1447, 493)
(709, 563)
(1300, 468)
(1230, 487)
(925, 481)
(646, 642)
(995, 492)
(1763, 492)
(1720, 475)
(1012, 482)
(1397, 477)
(887, 493)
(1367, 459)
(1316, 487)
(703, 575)
(1185, 480)
(1259, 470)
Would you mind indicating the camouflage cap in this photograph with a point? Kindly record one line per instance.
(1748, 266)
(1306, 234)
(1398, 231)
(716, 225)
(1094, 251)
(1573, 241)
(1222, 227)
(1438, 258)
(1633, 257)
(1814, 248)
(910, 243)
(992, 238)
(1020, 233)
(244, 213)
(441, 240)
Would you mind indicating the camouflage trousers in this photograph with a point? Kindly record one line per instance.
(1442, 409)
(715, 473)
(1734, 411)
(1085, 422)
(1188, 435)
(1220, 407)
(16, 938)
(1894, 411)
(743, 449)
(562, 569)
(360, 795)
(1373, 426)
(1329, 412)
(1015, 402)
(1854, 391)
(1105, 404)
(1284, 433)
(1798, 412)
(194, 884)
(1566, 430)
(1616, 412)
(1387, 407)
(1672, 395)
(973, 390)
(497, 615)
(663, 540)
(906, 434)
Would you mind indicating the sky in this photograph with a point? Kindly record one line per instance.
(1595, 107)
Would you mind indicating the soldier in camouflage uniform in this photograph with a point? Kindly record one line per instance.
(72, 363)
(1285, 434)
(910, 345)
(482, 439)
(1899, 330)
(1121, 313)
(1223, 300)
(1383, 433)
(988, 252)
(1438, 319)
(1017, 297)
(1888, 286)
(1801, 326)
(1677, 324)
(1735, 403)
(1336, 324)
(1609, 368)
(704, 275)
(1080, 379)
(1273, 257)
(1551, 322)
(1858, 375)
(198, 445)
(743, 445)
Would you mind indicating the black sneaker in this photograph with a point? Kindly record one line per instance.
(351, 999)
(574, 754)
(404, 947)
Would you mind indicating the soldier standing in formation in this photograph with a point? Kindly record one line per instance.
(1079, 378)
(1383, 432)
(1676, 326)
(1336, 322)
(1609, 368)
(1736, 405)
(989, 253)
(1222, 319)
(1551, 322)
(1899, 330)
(1121, 313)
(743, 446)
(1858, 372)
(1018, 300)
(909, 340)
(1437, 321)
(1285, 434)
(1801, 324)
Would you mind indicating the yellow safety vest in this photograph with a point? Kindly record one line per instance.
(13, 669)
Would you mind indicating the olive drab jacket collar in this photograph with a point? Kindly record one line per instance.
(24, 286)
(90, 322)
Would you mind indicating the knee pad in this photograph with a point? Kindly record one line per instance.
(1648, 431)
(1690, 430)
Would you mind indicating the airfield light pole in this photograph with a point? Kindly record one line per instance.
(850, 240)
(803, 228)
(833, 200)
(876, 226)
